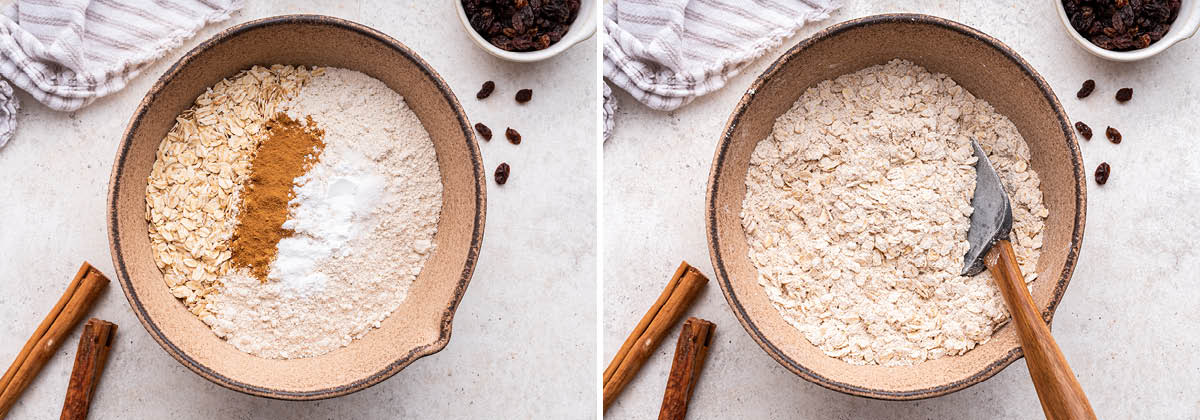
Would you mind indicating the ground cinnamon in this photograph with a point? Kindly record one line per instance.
(288, 151)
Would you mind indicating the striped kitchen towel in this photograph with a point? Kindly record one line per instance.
(67, 53)
(609, 106)
(666, 53)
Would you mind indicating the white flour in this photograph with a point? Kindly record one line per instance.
(857, 210)
(364, 218)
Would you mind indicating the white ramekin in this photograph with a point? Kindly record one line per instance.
(583, 28)
(1184, 27)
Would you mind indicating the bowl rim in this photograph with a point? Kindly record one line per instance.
(585, 29)
(404, 360)
(1180, 31)
(714, 245)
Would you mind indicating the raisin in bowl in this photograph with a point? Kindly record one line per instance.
(529, 30)
(1182, 25)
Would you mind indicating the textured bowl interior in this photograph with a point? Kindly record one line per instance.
(420, 326)
(980, 64)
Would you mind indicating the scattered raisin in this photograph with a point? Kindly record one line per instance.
(1088, 86)
(1083, 129)
(1113, 135)
(486, 90)
(1124, 94)
(502, 173)
(1102, 173)
(513, 136)
(1122, 25)
(521, 25)
(524, 95)
(484, 131)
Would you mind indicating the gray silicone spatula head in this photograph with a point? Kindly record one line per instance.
(991, 219)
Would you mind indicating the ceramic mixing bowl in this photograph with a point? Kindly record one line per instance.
(986, 68)
(420, 326)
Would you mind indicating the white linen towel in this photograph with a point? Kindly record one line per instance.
(666, 53)
(67, 53)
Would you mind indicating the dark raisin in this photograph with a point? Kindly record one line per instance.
(1088, 86)
(1083, 129)
(521, 25)
(502, 173)
(1142, 41)
(524, 95)
(1124, 94)
(1102, 172)
(1113, 135)
(486, 90)
(1121, 25)
(513, 136)
(483, 131)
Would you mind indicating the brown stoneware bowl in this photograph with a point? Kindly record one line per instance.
(986, 68)
(420, 326)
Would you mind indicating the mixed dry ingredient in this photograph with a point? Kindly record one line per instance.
(857, 210)
(291, 208)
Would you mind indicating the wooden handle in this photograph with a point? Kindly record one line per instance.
(1061, 396)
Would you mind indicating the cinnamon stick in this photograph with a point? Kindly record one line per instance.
(690, 353)
(71, 307)
(681, 290)
(90, 359)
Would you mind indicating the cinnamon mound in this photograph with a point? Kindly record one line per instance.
(288, 151)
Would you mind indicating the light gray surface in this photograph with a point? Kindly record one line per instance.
(1128, 321)
(523, 343)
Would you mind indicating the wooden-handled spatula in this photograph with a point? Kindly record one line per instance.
(1059, 391)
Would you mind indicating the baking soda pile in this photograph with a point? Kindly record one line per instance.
(360, 220)
(857, 209)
